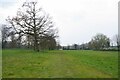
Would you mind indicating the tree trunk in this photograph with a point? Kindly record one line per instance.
(36, 48)
(35, 31)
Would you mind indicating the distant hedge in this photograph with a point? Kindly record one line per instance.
(109, 50)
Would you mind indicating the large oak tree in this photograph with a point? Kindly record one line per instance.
(31, 21)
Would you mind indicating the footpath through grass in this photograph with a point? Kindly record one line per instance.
(60, 64)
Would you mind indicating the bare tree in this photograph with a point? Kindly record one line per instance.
(5, 34)
(33, 22)
(117, 40)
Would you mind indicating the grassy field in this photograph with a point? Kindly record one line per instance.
(60, 64)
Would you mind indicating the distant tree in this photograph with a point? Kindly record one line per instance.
(83, 46)
(33, 23)
(58, 46)
(117, 40)
(90, 45)
(75, 46)
(99, 41)
(68, 47)
(48, 42)
(5, 34)
(13, 40)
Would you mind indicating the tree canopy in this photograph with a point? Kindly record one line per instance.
(99, 41)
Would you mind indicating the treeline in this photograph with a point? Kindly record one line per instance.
(10, 39)
(98, 42)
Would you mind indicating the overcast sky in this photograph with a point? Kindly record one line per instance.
(77, 20)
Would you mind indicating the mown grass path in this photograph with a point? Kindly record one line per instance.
(59, 64)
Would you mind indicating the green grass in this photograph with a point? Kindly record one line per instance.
(60, 64)
(0, 64)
